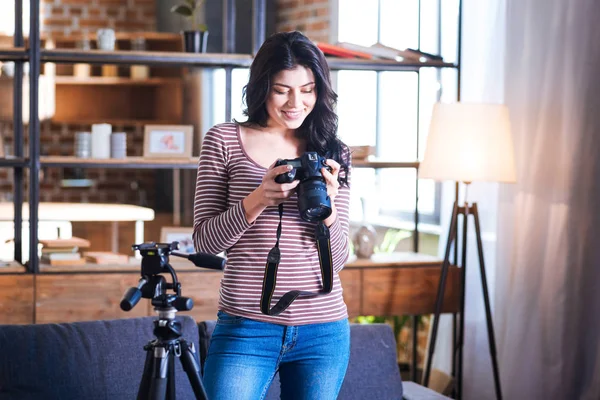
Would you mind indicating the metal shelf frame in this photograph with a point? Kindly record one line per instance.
(35, 56)
(228, 60)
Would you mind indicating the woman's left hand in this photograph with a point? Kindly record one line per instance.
(331, 178)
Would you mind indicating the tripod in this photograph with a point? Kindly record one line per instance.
(158, 378)
(465, 210)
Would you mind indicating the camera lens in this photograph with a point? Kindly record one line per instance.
(317, 213)
(313, 202)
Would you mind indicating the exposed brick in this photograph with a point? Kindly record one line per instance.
(94, 23)
(94, 13)
(76, 11)
(57, 11)
(80, 2)
(317, 26)
(121, 25)
(58, 22)
(114, 12)
(112, 2)
(311, 17)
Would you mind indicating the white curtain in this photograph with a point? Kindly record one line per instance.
(548, 249)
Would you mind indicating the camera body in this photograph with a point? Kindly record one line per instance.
(313, 202)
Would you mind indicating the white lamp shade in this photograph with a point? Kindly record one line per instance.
(469, 142)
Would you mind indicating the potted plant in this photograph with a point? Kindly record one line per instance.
(195, 39)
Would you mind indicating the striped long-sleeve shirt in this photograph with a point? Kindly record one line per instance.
(226, 175)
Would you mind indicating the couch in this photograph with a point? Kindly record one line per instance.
(105, 359)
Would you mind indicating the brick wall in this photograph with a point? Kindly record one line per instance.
(75, 16)
(311, 17)
(69, 17)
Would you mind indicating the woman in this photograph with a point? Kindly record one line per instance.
(290, 111)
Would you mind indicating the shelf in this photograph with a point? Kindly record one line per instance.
(216, 60)
(114, 121)
(14, 162)
(129, 162)
(12, 267)
(382, 65)
(146, 57)
(176, 163)
(116, 81)
(119, 36)
(384, 164)
(13, 54)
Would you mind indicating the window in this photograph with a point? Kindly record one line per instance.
(391, 110)
(7, 18)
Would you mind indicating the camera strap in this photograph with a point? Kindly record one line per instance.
(269, 280)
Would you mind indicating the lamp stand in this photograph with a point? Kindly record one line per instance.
(464, 210)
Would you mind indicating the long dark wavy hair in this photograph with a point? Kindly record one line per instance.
(284, 51)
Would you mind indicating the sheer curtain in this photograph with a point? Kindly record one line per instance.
(482, 72)
(548, 250)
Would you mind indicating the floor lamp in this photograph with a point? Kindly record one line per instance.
(467, 143)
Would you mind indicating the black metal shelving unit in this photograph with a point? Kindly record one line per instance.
(227, 60)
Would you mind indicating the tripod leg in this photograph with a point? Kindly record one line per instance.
(488, 310)
(440, 294)
(171, 375)
(146, 375)
(158, 384)
(191, 366)
(463, 285)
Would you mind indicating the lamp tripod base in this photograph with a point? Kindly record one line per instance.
(465, 211)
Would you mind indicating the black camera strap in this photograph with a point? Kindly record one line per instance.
(269, 280)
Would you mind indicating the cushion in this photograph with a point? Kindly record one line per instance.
(81, 360)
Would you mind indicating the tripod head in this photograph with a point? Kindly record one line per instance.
(152, 285)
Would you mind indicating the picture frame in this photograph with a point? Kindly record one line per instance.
(168, 141)
(183, 235)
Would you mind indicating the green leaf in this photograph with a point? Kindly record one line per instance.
(191, 3)
(182, 9)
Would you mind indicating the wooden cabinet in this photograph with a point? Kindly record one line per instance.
(16, 299)
(401, 284)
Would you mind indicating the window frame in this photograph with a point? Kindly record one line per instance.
(403, 216)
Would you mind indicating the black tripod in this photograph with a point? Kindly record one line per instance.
(465, 210)
(158, 378)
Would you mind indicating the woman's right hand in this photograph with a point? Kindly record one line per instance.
(269, 193)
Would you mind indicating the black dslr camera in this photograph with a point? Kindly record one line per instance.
(313, 202)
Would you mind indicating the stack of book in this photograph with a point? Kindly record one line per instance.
(105, 258)
(377, 51)
(60, 252)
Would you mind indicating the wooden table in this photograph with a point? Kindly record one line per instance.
(73, 212)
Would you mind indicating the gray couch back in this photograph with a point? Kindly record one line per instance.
(105, 360)
(82, 360)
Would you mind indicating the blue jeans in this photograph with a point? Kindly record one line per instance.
(244, 356)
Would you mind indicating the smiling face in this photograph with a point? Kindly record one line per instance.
(293, 96)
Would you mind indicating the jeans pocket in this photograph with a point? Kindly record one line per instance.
(224, 318)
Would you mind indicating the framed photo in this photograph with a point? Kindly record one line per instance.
(183, 235)
(168, 141)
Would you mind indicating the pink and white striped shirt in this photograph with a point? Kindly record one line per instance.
(226, 175)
